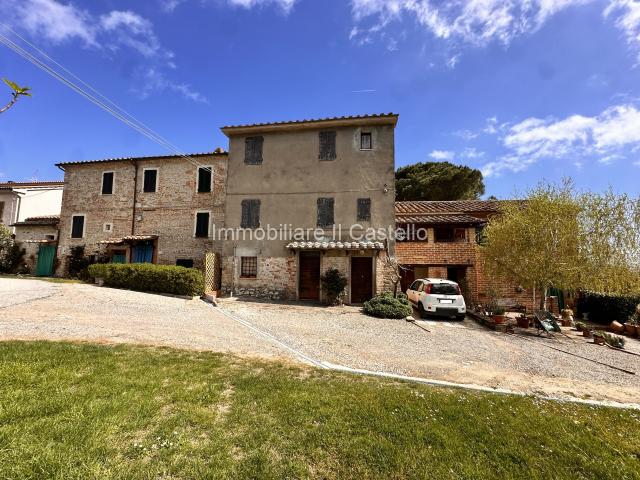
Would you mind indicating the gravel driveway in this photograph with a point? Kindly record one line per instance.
(38, 310)
(462, 352)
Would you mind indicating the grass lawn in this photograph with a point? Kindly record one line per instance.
(44, 279)
(70, 411)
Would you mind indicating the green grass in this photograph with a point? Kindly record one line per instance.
(70, 411)
(44, 279)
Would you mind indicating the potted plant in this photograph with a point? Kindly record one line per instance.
(567, 317)
(523, 321)
(580, 326)
(586, 332)
(614, 340)
(630, 326)
(498, 315)
(598, 338)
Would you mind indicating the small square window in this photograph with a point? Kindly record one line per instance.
(108, 227)
(365, 141)
(150, 183)
(248, 267)
(107, 183)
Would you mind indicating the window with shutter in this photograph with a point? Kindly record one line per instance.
(204, 179)
(77, 226)
(107, 183)
(150, 180)
(365, 141)
(202, 224)
(325, 212)
(327, 146)
(253, 150)
(364, 209)
(250, 214)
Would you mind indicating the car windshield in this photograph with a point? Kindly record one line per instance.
(444, 289)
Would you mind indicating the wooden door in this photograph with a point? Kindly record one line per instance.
(309, 286)
(361, 279)
(46, 254)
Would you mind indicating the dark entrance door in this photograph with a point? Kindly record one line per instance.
(361, 279)
(309, 276)
(456, 274)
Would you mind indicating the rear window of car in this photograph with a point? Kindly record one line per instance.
(444, 289)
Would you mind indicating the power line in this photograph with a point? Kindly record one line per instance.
(116, 111)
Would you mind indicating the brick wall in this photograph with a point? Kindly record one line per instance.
(168, 213)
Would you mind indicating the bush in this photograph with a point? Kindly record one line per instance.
(388, 306)
(603, 308)
(333, 284)
(146, 277)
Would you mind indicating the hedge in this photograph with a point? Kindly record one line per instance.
(603, 308)
(388, 306)
(146, 277)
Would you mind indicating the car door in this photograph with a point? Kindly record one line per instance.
(412, 293)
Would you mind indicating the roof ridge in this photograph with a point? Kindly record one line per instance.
(311, 120)
(217, 151)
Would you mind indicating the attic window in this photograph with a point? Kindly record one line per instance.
(253, 150)
(365, 141)
(327, 145)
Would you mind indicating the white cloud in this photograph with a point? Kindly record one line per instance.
(442, 155)
(130, 29)
(472, 153)
(154, 80)
(605, 135)
(467, 135)
(285, 5)
(474, 22)
(626, 14)
(637, 163)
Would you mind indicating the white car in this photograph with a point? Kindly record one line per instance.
(436, 296)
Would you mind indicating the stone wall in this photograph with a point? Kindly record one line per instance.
(168, 213)
(26, 234)
(276, 278)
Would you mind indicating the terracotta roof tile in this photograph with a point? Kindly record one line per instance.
(47, 183)
(452, 206)
(217, 151)
(313, 120)
(439, 219)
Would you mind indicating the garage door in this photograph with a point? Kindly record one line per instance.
(309, 288)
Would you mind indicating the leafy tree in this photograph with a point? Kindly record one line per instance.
(558, 238)
(10, 253)
(438, 181)
(17, 93)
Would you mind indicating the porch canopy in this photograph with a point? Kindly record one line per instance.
(127, 239)
(335, 246)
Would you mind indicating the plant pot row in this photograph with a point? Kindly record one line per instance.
(629, 329)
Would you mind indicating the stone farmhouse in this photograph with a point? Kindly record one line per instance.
(441, 243)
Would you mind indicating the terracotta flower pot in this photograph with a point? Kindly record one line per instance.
(630, 329)
(498, 319)
(586, 333)
(616, 327)
(598, 339)
(523, 322)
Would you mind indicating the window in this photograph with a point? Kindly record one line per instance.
(253, 150)
(444, 289)
(450, 234)
(248, 267)
(327, 146)
(1, 211)
(204, 179)
(185, 262)
(415, 285)
(77, 226)
(325, 212)
(108, 227)
(202, 225)
(107, 183)
(250, 214)
(364, 209)
(150, 180)
(365, 141)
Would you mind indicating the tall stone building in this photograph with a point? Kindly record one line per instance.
(148, 209)
(305, 193)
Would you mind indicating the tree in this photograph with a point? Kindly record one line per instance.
(10, 253)
(558, 238)
(17, 93)
(438, 181)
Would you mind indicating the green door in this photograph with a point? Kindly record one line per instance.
(46, 254)
(118, 258)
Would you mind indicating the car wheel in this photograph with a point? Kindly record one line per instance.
(421, 311)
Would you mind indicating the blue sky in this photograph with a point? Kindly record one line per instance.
(522, 90)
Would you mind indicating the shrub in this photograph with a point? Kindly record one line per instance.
(146, 277)
(614, 340)
(388, 306)
(333, 284)
(603, 308)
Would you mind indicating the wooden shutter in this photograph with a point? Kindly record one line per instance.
(327, 145)
(77, 226)
(202, 224)
(250, 214)
(204, 179)
(365, 141)
(253, 150)
(107, 183)
(325, 212)
(364, 209)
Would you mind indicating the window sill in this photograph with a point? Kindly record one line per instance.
(248, 278)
